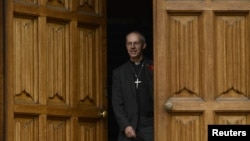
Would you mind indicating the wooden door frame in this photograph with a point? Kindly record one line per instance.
(2, 113)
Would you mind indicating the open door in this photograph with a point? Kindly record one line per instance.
(56, 70)
(202, 59)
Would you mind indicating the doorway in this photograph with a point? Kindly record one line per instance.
(122, 17)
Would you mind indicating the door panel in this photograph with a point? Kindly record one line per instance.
(201, 53)
(56, 64)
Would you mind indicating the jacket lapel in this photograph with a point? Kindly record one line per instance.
(130, 76)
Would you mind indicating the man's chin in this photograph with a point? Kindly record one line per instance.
(134, 56)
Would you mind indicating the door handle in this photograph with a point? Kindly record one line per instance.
(103, 114)
(168, 106)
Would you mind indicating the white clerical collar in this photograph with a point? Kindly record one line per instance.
(137, 63)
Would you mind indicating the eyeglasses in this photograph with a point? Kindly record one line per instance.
(133, 43)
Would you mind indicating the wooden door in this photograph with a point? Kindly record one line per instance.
(56, 70)
(202, 62)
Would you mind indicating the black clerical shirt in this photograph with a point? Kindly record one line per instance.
(144, 98)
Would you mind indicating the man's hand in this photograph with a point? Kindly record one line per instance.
(130, 132)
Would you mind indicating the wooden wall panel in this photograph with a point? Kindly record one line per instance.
(87, 63)
(58, 3)
(26, 128)
(87, 130)
(189, 126)
(184, 52)
(232, 118)
(58, 129)
(25, 61)
(232, 55)
(57, 63)
(90, 6)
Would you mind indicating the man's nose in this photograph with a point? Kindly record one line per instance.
(133, 45)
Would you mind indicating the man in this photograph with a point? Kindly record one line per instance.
(132, 92)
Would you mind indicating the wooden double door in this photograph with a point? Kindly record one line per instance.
(53, 68)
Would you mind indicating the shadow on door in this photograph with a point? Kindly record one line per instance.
(125, 16)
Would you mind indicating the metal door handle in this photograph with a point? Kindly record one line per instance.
(103, 114)
(168, 106)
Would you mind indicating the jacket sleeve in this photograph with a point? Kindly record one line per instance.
(118, 102)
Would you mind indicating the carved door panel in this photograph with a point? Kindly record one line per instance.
(201, 54)
(56, 70)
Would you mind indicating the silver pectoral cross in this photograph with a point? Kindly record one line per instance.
(137, 82)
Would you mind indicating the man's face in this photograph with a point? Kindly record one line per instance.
(134, 46)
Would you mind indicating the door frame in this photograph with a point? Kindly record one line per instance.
(2, 98)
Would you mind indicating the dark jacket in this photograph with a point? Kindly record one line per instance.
(124, 94)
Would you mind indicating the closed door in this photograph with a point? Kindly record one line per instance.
(56, 70)
(201, 53)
